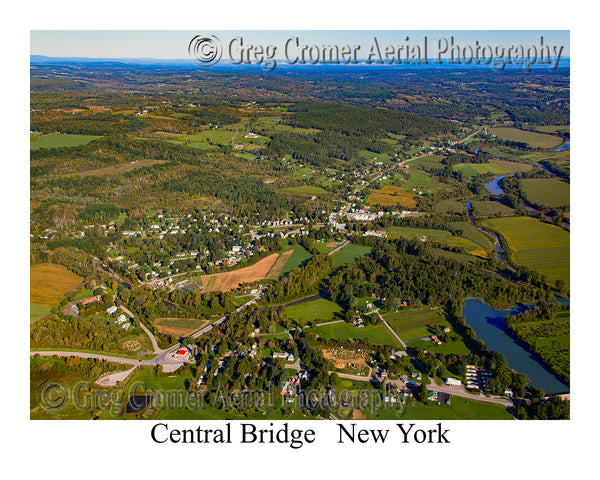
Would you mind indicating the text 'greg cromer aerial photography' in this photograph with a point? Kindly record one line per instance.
(272, 225)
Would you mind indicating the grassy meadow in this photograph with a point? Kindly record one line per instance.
(375, 334)
(321, 309)
(533, 139)
(535, 244)
(552, 192)
(59, 140)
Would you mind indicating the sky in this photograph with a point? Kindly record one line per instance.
(174, 44)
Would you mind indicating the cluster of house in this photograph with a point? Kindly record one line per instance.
(375, 233)
(477, 377)
(122, 319)
(291, 388)
(435, 339)
(453, 382)
(441, 398)
(288, 356)
(73, 310)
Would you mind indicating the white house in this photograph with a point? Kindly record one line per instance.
(111, 310)
(453, 382)
(121, 318)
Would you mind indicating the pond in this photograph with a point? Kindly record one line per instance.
(493, 186)
(490, 327)
(137, 403)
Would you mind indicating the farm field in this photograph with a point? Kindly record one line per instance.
(37, 312)
(297, 257)
(117, 169)
(450, 205)
(474, 169)
(552, 128)
(552, 192)
(535, 244)
(49, 283)
(405, 321)
(533, 139)
(441, 236)
(389, 195)
(59, 140)
(350, 254)
(418, 179)
(425, 161)
(471, 233)
(456, 346)
(376, 157)
(375, 334)
(489, 207)
(179, 326)
(321, 309)
(512, 167)
(227, 281)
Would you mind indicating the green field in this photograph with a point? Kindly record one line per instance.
(551, 192)
(474, 235)
(474, 169)
(375, 334)
(376, 157)
(297, 258)
(489, 207)
(321, 309)
(350, 254)
(418, 179)
(441, 236)
(512, 167)
(426, 161)
(456, 346)
(535, 244)
(407, 321)
(450, 205)
(533, 139)
(550, 339)
(58, 140)
(183, 323)
(552, 128)
(37, 312)
(459, 409)
(323, 248)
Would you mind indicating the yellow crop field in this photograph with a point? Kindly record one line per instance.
(49, 283)
(389, 195)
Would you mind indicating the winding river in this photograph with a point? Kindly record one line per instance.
(490, 327)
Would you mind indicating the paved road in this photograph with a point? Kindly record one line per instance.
(329, 323)
(113, 378)
(394, 334)
(473, 134)
(343, 245)
(148, 332)
(461, 392)
(108, 358)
